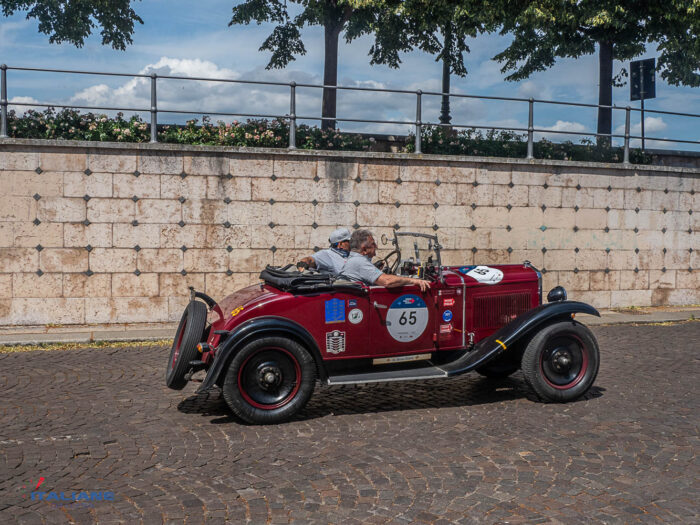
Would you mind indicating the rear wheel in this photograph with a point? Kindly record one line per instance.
(269, 380)
(189, 333)
(561, 361)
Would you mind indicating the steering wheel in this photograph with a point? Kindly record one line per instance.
(384, 266)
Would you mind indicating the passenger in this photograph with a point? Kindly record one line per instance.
(331, 259)
(359, 266)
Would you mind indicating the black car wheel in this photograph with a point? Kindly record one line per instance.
(269, 380)
(189, 333)
(561, 361)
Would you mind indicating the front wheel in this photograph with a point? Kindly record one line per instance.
(189, 333)
(269, 380)
(561, 361)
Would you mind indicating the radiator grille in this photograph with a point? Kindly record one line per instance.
(494, 311)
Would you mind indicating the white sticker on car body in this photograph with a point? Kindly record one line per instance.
(407, 318)
(485, 274)
(355, 316)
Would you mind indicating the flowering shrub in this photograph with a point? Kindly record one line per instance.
(70, 124)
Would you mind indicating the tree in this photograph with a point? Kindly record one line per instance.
(74, 20)
(353, 17)
(418, 24)
(545, 30)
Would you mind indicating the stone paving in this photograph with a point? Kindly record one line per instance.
(464, 450)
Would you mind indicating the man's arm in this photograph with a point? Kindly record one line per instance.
(392, 281)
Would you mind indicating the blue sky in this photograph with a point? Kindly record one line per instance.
(185, 38)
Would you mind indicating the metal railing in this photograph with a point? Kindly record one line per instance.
(418, 124)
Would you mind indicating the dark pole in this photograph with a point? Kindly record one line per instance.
(642, 96)
(445, 117)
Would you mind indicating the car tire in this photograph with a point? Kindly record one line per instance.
(561, 361)
(189, 333)
(269, 380)
(501, 367)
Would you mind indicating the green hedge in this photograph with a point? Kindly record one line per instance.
(70, 124)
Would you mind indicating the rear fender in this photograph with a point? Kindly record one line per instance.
(523, 326)
(249, 330)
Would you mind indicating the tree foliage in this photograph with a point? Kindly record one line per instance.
(74, 20)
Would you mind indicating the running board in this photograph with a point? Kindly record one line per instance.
(431, 372)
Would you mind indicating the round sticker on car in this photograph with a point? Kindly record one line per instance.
(483, 274)
(355, 316)
(407, 318)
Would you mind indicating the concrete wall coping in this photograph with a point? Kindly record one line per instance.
(423, 158)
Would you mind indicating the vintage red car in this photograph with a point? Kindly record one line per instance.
(266, 345)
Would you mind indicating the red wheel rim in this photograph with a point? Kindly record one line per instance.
(549, 357)
(266, 362)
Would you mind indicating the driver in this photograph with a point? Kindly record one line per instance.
(331, 259)
(359, 266)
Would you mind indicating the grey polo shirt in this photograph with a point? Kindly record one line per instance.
(360, 268)
(329, 260)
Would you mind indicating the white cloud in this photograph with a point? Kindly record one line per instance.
(654, 127)
(23, 108)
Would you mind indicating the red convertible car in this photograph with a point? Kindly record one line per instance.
(266, 345)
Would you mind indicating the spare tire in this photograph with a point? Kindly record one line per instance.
(190, 332)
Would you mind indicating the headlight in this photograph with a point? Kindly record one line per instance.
(558, 293)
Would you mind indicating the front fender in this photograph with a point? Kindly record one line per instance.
(523, 325)
(260, 326)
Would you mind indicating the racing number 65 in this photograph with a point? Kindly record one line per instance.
(411, 319)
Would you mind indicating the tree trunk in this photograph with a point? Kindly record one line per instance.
(445, 117)
(605, 65)
(330, 74)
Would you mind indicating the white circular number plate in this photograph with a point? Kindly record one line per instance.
(407, 318)
(355, 316)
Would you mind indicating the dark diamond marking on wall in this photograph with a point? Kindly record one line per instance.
(509, 207)
(575, 270)
(86, 197)
(229, 249)
(690, 212)
(475, 184)
(137, 248)
(316, 249)
(576, 249)
(576, 208)
(575, 228)
(270, 224)
(509, 250)
(473, 205)
(544, 270)
(474, 250)
(636, 210)
(543, 227)
(39, 247)
(356, 226)
(182, 224)
(508, 227)
(545, 185)
(472, 227)
(229, 273)
(87, 172)
(134, 222)
(314, 225)
(397, 204)
(435, 205)
(38, 170)
(183, 175)
(227, 224)
(398, 180)
(663, 229)
(39, 272)
(314, 202)
(690, 230)
(37, 196)
(358, 179)
(544, 250)
(607, 250)
(438, 182)
(639, 190)
(636, 270)
(228, 201)
(690, 268)
(273, 249)
(636, 250)
(135, 198)
(606, 229)
(543, 207)
(86, 222)
(89, 273)
(690, 250)
(664, 250)
(636, 230)
(183, 248)
(692, 192)
(666, 190)
(665, 210)
(607, 270)
(356, 203)
(182, 200)
(36, 222)
(578, 186)
(435, 227)
(137, 173)
(137, 272)
(272, 201)
(317, 178)
(663, 270)
(607, 208)
(88, 248)
(510, 184)
(273, 177)
(609, 188)
(183, 272)
(229, 176)
(396, 227)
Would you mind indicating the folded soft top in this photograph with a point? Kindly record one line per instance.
(289, 279)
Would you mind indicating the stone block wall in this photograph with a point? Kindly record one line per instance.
(115, 233)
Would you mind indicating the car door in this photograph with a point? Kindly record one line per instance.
(402, 321)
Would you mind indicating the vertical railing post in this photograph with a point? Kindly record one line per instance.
(3, 101)
(530, 129)
(626, 157)
(154, 109)
(293, 115)
(419, 93)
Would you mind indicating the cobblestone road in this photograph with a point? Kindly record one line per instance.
(464, 450)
